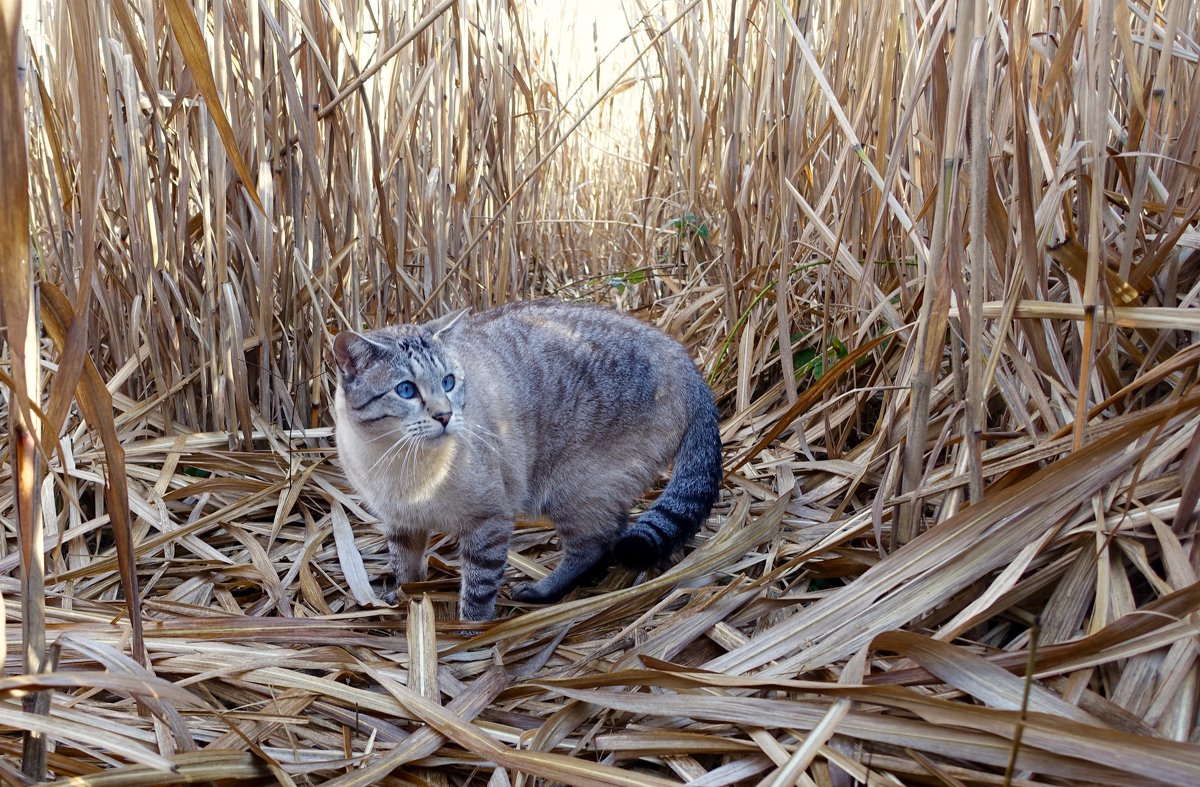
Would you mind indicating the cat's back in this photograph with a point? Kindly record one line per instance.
(560, 332)
(595, 402)
(585, 381)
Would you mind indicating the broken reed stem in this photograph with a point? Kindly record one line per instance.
(938, 284)
(33, 589)
(20, 317)
(1018, 733)
(1095, 101)
(980, 151)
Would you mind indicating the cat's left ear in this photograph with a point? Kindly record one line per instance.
(353, 351)
(448, 326)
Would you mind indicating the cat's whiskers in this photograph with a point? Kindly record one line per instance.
(388, 433)
(410, 456)
(390, 453)
(382, 462)
(477, 433)
(378, 437)
(383, 435)
(476, 428)
(481, 428)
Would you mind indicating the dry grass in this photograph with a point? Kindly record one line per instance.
(958, 540)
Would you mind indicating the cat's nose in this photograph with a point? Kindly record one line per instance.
(442, 418)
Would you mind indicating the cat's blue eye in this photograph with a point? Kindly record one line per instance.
(406, 390)
(448, 383)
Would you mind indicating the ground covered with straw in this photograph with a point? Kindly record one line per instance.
(939, 262)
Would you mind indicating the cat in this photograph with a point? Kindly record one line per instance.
(535, 409)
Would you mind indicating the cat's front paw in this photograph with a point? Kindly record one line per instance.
(482, 612)
(528, 593)
(417, 572)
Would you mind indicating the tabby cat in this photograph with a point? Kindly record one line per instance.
(534, 409)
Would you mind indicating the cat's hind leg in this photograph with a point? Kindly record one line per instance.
(585, 560)
(596, 574)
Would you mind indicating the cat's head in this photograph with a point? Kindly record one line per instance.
(402, 381)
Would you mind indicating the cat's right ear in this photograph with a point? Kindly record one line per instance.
(447, 326)
(352, 351)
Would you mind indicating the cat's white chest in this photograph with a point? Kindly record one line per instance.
(416, 489)
(415, 475)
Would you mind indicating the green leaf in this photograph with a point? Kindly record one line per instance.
(691, 226)
(805, 360)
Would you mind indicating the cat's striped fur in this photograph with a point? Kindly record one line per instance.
(540, 409)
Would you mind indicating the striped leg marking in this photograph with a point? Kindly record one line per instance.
(406, 557)
(483, 553)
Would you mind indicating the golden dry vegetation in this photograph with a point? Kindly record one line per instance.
(939, 260)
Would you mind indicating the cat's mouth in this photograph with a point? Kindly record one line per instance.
(436, 433)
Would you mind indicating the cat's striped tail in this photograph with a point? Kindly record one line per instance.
(686, 502)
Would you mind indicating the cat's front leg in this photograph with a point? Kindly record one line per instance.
(406, 557)
(483, 553)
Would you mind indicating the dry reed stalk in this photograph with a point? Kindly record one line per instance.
(939, 263)
(25, 445)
